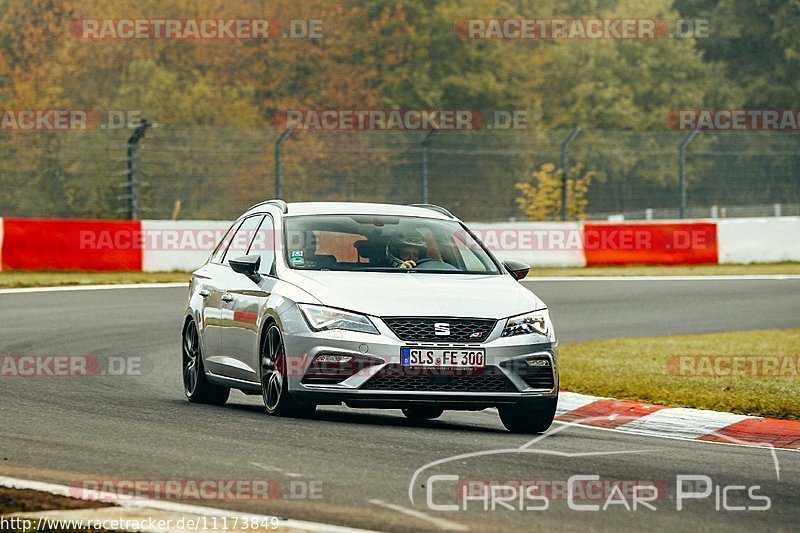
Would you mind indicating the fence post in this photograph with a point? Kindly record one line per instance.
(564, 166)
(278, 162)
(133, 183)
(425, 143)
(682, 168)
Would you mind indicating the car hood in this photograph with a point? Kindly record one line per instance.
(417, 294)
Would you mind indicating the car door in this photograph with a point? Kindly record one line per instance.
(208, 285)
(243, 299)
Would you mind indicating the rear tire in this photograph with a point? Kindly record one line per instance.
(275, 379)
(195, 384)
(522, 420)
(422, 413)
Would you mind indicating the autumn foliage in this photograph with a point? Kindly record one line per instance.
(541, 197)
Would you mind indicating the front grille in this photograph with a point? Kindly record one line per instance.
(395, 377)
(537, 377)
(424, 329)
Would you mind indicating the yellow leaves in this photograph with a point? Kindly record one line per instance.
(541, 198)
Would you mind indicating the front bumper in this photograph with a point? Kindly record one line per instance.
(505, 359)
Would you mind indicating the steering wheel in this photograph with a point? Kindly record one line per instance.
(398, 260)
(427, 263)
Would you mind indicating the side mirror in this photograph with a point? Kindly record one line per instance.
(516, 269)
(247, 265)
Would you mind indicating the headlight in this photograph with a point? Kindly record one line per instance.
(320, 318)
(537, 322)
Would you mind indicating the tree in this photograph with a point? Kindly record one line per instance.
(628, 84)
(540, 198)
(758, 44)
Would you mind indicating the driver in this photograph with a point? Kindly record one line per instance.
(406, 250)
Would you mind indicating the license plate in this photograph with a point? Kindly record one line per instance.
(442, 357)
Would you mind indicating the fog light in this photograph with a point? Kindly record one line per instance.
(537, 362)
(331, 368)
(335, 359)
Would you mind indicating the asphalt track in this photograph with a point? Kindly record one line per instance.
(66, 429)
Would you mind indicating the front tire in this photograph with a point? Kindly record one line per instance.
(275, 379)
(526, 420)
(195, 384)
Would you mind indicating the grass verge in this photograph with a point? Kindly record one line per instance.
(666, 270)
(14, 501)
(682, 372)
(26, 501)
(12, 279)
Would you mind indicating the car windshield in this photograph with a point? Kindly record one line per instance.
(384, 243)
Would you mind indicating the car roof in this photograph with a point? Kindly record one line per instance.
(358, 208)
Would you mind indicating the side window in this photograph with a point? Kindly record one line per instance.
(219, 251)
(264, 244)
(241, 240)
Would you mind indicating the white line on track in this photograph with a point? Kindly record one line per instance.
(754, 277)
(269, 468)
(139, 503)
(441, 523)
(67, 288)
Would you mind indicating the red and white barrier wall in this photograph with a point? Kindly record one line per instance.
(50, 244)
(163, 245)
(179, 245)
(759, 240)
(590, 243)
